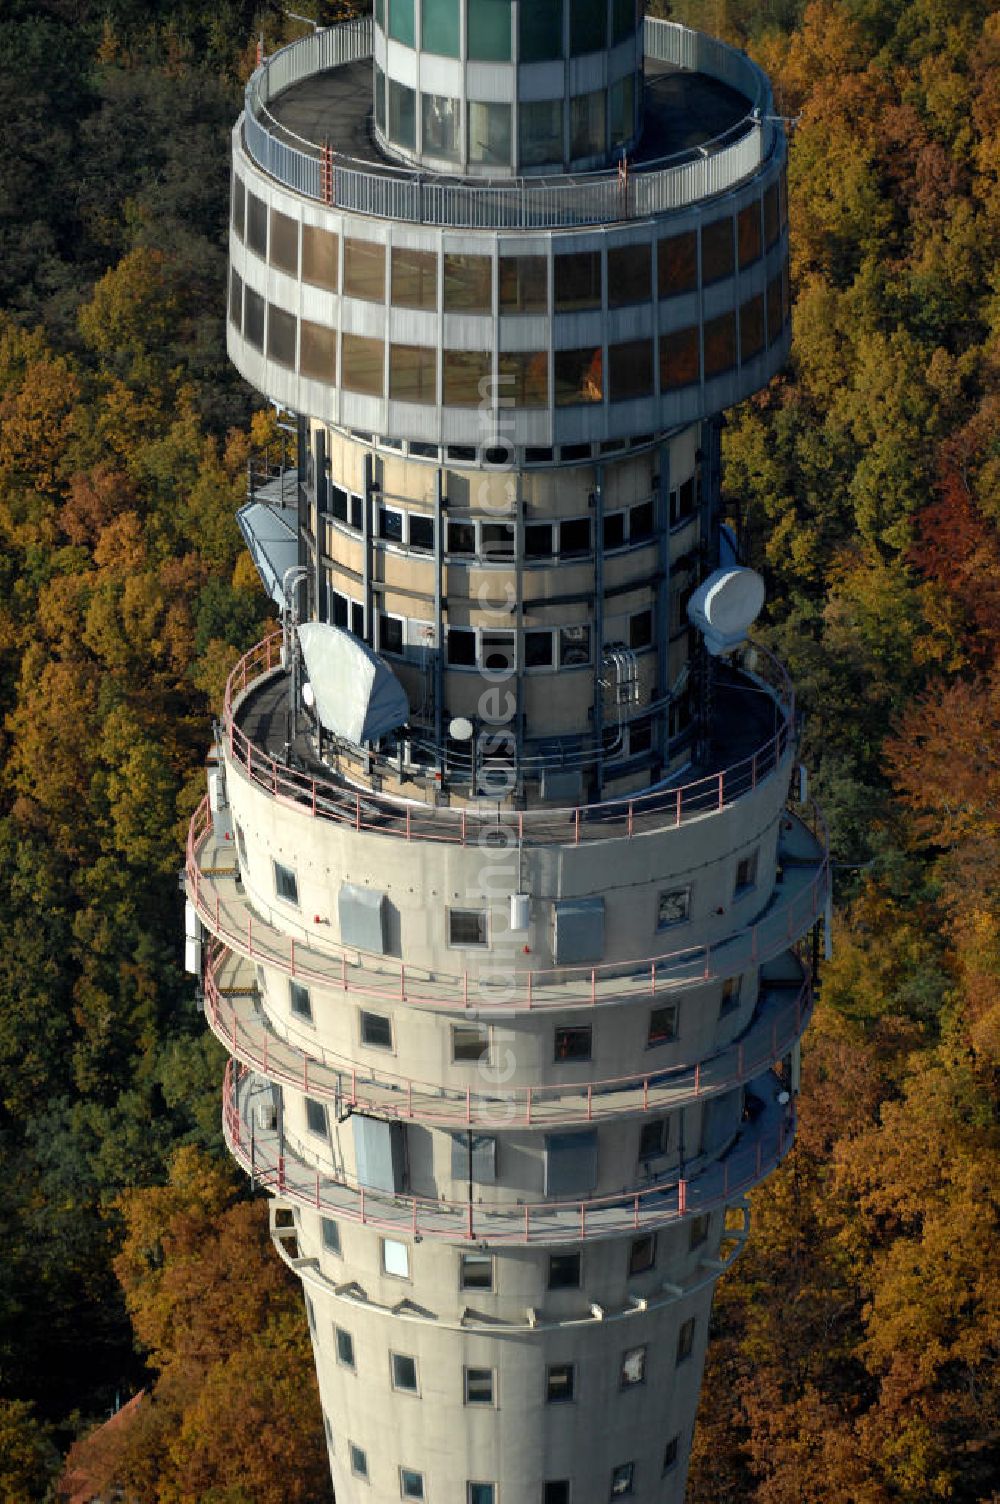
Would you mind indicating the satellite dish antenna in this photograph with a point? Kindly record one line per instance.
(308, 698)
(725, 606)
(460, 729)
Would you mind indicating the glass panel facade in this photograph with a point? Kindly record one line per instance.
(524, 284)
(281, 337)
(587, 124)
(579, 376)
(253, 319)
(489, 30)
(320, 252)
(414, 277)
(489, 133)
(577, 281)
(540, 132)
(717, 250)
(439, 28)
(621, 105)
(774, 313)
(720, 344)
(402, 114)
(257, 225)
(238, 205)
(401, 21)
(588, 26)
(630, 270)
(677, 264)
(748, 233)
(541, 29)
(752, 328)
(630, 369)
(284, 242)
(622, 20)
(412, 373)
(524, 378)
(440, 123)
(679, 358)
(467, 375)
(468, 284)
(236, 298)
(361, 362)
(772, 226)
(318, 352)
(364, 270)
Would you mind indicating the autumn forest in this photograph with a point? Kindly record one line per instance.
(855, 1348)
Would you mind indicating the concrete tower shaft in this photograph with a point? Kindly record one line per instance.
(513, 992)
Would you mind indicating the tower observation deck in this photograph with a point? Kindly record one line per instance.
(503, 916)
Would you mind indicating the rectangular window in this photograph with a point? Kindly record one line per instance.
(574, 537)
(642, 1254)
(390, 635)
(622, 1479)
(772, 225)
(301, 1004)
(362, 364)
(564, 1271)
(439, 29)
(573, 1044)
(310, 1313)
(421, 532)
(364, 270)
(541, 33)
(281, 337)
(414, 278)
(316, 1117)
(673, 907)
(621, 110)
(559, 1383)
(345, 1347)
(629, 275)
(775, 310)
(685, 1340)
(556, 1491)
(717, 252)
(586, 124)
(720, 344)
(746, 873)
(496, 541)
(633, 1369)
(752, 327)
(320, 250)
(479, 1386)
(481, 1493)
(253, 319)
(577, 281)
(682, 504)
(359, 1458)
(411, 1484)
(523, 378)
(653, 1139)
(489, 133)
(489, 30)
(401, 22)
(318, 352)
(524, 284)
(579, 376)
(468, 283)
(677, 264)
(379, 94)
(284, 242)
(376, 1030)
(538, 650)
(540, 132)
(640, 629)
(730, 999)
(441, 118)
(670, 1454)
(662, 1024)
(413, 373)
(286, 884)
(622, 20)
(236, 299)
(395, 1258)
(470, 1043)
(462, 540)
(588, 26)
(680, 359)
(390, 524)
(699, 1230)
(404, 1373)
(241, 844)
(538, 540)
(475, 1271)
(574, 646)
(614, 531)
(239, 205)
(330, 1234)
(468, 927)
(748, 233)
(461, 654)
(630, 370)
(641, 521)
(467, 377)
(257, 225)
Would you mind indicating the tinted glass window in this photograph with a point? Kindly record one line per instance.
(468, 284)
(679, 358)
(677, 264)
(489, 133)
(489, 30)
(318, 352)
(717, 250)
(540, 131)
(281, 336)
(524, 378)
(748, 233)
(364, 270)
(752, 328)
(588, 26)
(524, 284)
(629, 275)
(284, 242)
(720, 344)
(362, 365)
(577, 281)
(441, 125)
(579, 376)
(414, 278)
(439, 30)
(630, 367)
(253, 318)
(541, 29)
(412, 373)
(319, 257)
(257, 225)
(466, 377)
(402, 114)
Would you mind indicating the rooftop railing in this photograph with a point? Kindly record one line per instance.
(392, 191)
(610, 819)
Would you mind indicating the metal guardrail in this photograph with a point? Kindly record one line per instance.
(611, 819)
(396, 192)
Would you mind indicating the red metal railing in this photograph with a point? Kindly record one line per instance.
(289, 1176)
(660, 810)
(564, 987)
(403, 1097)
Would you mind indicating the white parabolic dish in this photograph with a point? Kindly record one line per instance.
(725, 606)
(358, 697)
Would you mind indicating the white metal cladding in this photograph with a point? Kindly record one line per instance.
(398, 193)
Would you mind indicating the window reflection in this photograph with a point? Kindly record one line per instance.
(284, 242)
(440, 126)
(364, 269)
(413, 373)
(489, 133)
(748, 233)
(630, 369)
(587, 124)
(577, 281)
(717, 250)
(524, 284)
(414, 278)
(402, 114)
(540, 126)
(362, 365)
(524, 378)
(629, 275)
(720, 344)
(319, 257)
(679, 359)
(621, 105)
(468, 283)
(752, 328)
(318, 352)
(281, 337)
(579, 376)
(466, 377)
(677, 264)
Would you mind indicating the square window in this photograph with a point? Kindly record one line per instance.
(614, 531)
(359, 1462)
(331, 1235)
(641, 521)
(404, 1373)
(395, 1258)
(497, 540)
(699, 1230)
(345, 1347)
(662, 1025)
(556, 1492)
(498, 652)
(481, 1493)
(286, 884)
(746, 873)
(376, 1030)
(316, 1117)
(538, 650)
(538, 540)
(640, 629)
(685, 1340)
(300, 1003)
(564, 1271)
(622, 1479)
(479, 1386)
(421, 532)
(574, 647)
(467, 927)
(461, 647)
(390, 525)
(411, 1484)
(559, 1383)
(461, 540)
(633, 1369)
(475, 1271)
(390, 635)
(653, 1138)
(730, 999)
(670, 1454)
(574, 537)
(470, 1043)
(642, 1254)
(673, 907)
(573, 1044)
